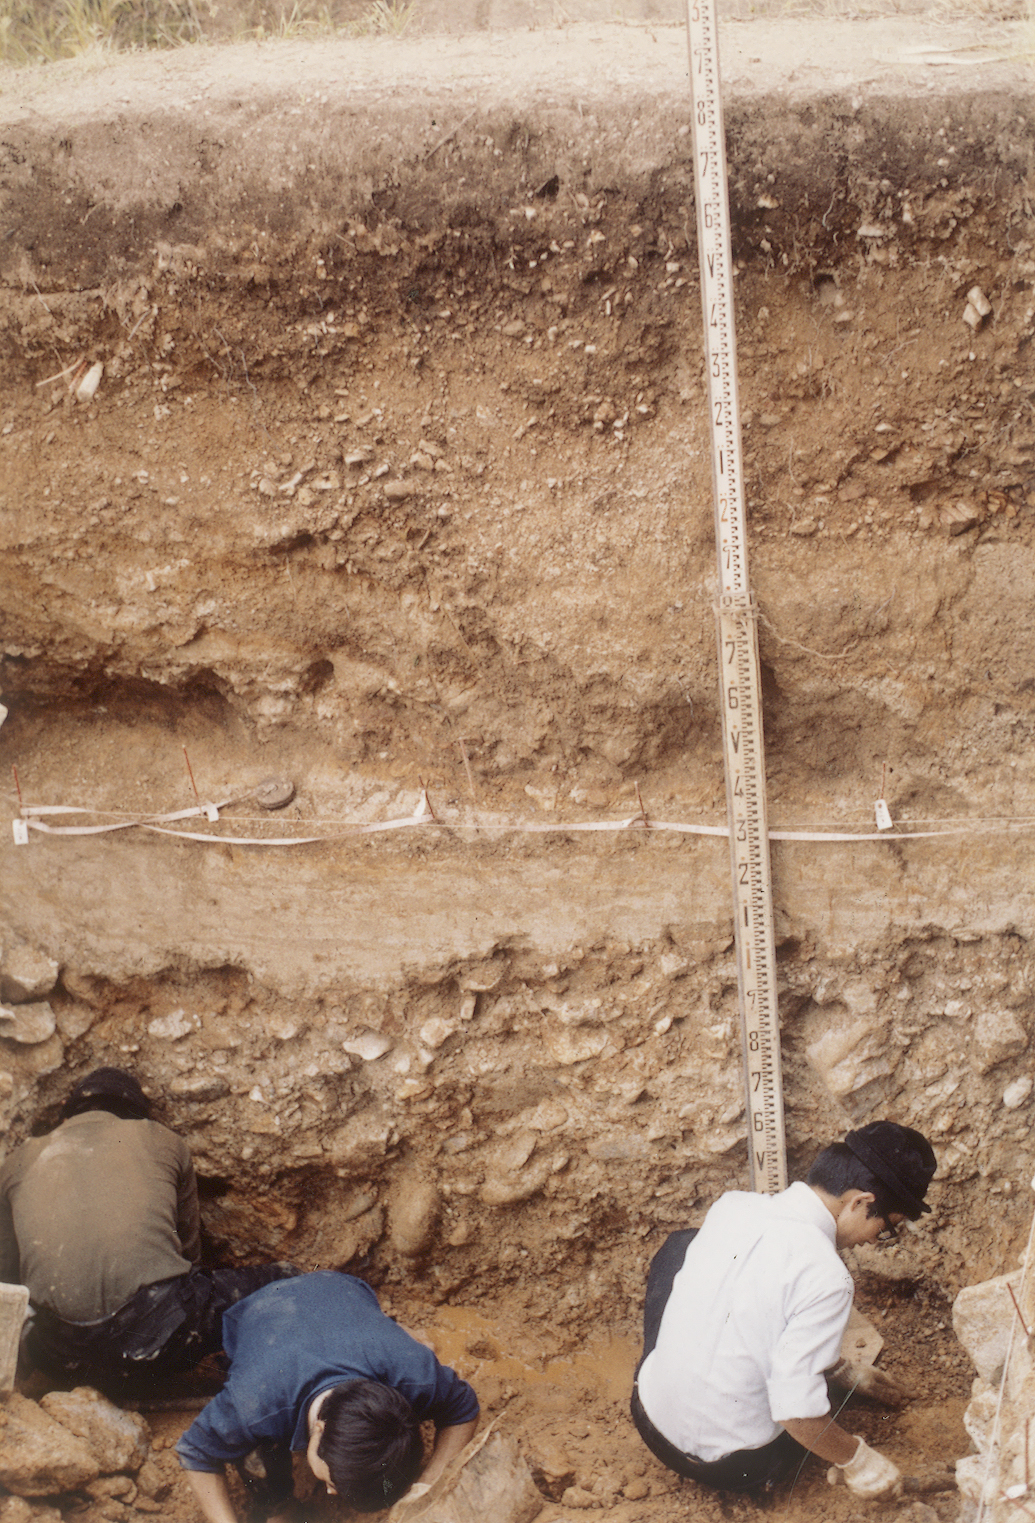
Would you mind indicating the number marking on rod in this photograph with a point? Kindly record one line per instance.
(739, 676)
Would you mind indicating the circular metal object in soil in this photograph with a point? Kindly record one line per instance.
(274, 792)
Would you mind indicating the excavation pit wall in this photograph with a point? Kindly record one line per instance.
(397, 479)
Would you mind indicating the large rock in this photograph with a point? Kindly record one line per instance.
(998, 1035)
(413, 1208)
(38, 1456)
(491, 1483)
(982, 1316)
(26, 974)
(118, 1440)
(852, 1053)
(29, 1024)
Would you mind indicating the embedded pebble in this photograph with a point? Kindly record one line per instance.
(509, 1189)
(27, 1024)
(515, 1152)
(636, 1489)
(112, 1486)
(413, 1207)
(434, 1032)
(87, 388)
(368, 1045)
(577, 1497)
(673, 964)
(575, 1045)
(1015, 1094)
(174, 1026)
(283, 1027)
(199, 1087)
(26, 974)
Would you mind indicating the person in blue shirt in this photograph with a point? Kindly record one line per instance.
(317, 1367)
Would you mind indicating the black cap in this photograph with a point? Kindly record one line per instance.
(901, 1158)
(110, 1089)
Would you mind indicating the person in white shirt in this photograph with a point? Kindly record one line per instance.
(744, 1319)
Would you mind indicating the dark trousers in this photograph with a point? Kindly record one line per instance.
(162, 1332)
(745, 1469)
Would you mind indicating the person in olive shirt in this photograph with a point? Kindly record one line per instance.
(99, 1218)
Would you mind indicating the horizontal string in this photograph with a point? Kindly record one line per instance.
(159, 824)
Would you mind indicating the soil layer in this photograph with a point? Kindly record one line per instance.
(395, 485)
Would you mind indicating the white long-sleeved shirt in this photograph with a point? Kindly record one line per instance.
(756, 1314)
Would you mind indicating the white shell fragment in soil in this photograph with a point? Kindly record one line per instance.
(87, 388)
(274, 793)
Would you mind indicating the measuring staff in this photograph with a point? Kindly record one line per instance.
(739, 678)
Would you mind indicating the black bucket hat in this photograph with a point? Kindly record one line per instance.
(901, 1158)
(108, 1089)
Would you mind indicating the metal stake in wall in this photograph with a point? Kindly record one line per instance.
(739, 678)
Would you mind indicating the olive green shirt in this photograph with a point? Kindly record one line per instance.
(96, 1209)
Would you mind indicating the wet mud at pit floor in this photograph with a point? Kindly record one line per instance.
(569, 1416)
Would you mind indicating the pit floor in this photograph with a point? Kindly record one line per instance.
(570, 1418)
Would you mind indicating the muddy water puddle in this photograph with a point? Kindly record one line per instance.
(480, 1349)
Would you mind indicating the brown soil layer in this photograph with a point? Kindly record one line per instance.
(397, 476)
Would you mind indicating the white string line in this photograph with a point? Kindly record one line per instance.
(424, 817)
(30, 811)
(968, 821)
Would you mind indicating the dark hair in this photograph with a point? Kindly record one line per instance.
(108, 1089)
(371, 1444)
(837, 1169)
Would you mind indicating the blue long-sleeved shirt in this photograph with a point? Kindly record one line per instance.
(295, 1338)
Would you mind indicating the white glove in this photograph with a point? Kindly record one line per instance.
(869, 1474)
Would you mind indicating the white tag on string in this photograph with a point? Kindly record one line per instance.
(20, 830)
(212, 812)
(883, 817)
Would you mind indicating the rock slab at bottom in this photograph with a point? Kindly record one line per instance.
(38, 1456)
(18, 1510)
(118, 1440)
(492, 1482)
(982, 1317)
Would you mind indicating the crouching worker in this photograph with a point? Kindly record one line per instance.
(744, 1320)
(316, 1367)
(99, 1218)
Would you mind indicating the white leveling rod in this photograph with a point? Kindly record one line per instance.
(739, 682)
